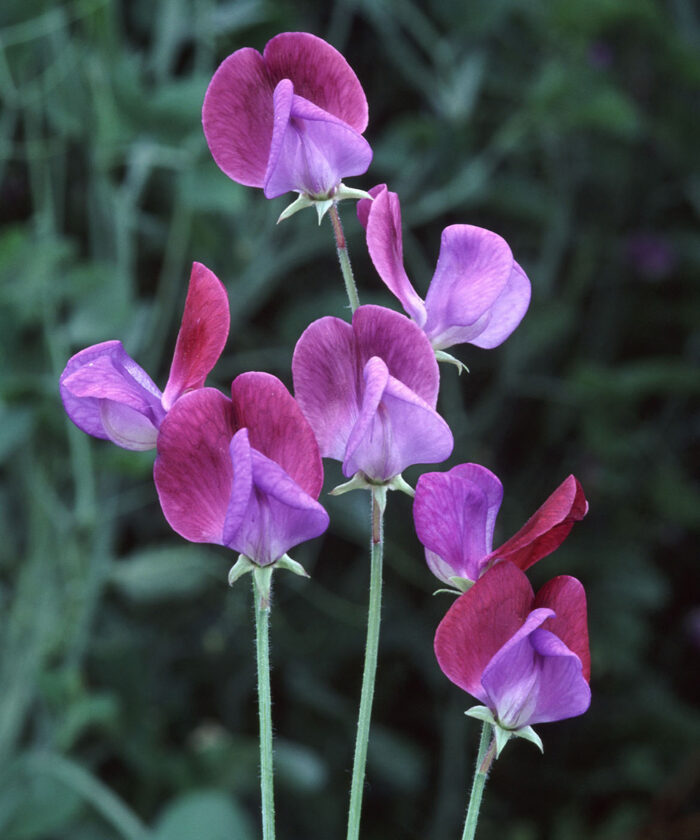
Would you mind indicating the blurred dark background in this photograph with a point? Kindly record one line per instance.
(127, 692)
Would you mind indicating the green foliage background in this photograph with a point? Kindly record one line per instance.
(127, 693)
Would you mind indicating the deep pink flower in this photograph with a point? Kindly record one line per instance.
(243, 472)
(525, 657)
(455, 513)
(289, 119)
(369, 391)
(478, 294)
(109, 396)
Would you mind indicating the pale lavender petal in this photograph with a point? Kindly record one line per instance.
(563, 691)
(511, 679)
(279, 514)
(402, 345)
(237, 117)
(454, 514)
(311, 150)
(202, 336)
(326, 382)
(319, 73)
(394, 430)
(277, 427)
(506, 313)
(127, 427)
(473, 269)
(106, 372)
(468, 637)
(385, 246)
(193, 471)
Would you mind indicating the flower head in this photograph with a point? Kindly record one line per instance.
(478, 294)
(289, 119)
(243, 472)
(455, 513)
(525, 657)
(369, 391)
(109, 396)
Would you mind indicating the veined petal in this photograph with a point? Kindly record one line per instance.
(193, 471)
(106, 372)
(278, 516)
(402, 345)
(566, 596)
(454, 514)
(563, 692)
(242, 488)
(311, 150)
(237, 117)
(507, 312)
(511, 679)
(547, 528)
(202, 336)
(277, 428)
(385, 245)
(326, 382)
(394, 430)
(468, 636)
(473, 269)
(319, 73)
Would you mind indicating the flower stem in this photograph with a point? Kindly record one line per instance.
(370, 670)
(484, 759)
(343, 257)
(262, 647)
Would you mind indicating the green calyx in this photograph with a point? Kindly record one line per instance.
(460, 584)
(441, 356)
(263, 574)
(503, 735)
(361, 482)
(322, 203)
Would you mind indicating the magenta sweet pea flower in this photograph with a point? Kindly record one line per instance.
(525, 657)
(369, 391)
(107, 395)
(289, 119)
(478, 294)
(455, 513)
(243, 472)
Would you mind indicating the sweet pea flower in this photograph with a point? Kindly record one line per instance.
(289, 119)
(455, 513)
(369, 391)
(525, 657)
(107, 395)
(478, 294)
(243, 472)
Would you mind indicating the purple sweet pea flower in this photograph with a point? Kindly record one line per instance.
(455, 513)
(478, 294)
(525, 657)
(369, 391)
(107, 395)
(243, 472)
(289, 119)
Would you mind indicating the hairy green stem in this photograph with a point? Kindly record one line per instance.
(262, 647)
(370, 670)
(343, 257)
(484, 759)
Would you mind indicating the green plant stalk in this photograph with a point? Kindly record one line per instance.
(370, 669)
(262, 648)
(344, 257)
(484, 759)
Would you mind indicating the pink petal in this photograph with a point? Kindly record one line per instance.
(278, 514)
(277, 428)
(507, 312)
(320, 74)
(326, 383)
(386, 250)
(237, 117)
(395, 429)
(547, 528)
(566, 596)
(202, 336)
(469, 636)
(193, 472)
(402, 345)
(473, 269)
(454, 514)
(311, 150)
(364, 204)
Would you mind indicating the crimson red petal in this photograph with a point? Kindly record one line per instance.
(566, 596)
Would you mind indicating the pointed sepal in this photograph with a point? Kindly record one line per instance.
(241, 567)
(529, 734)
(286, 562)
(482, 713)
(448, 358)
(322, 207)
(343, 192)
(398, 482)
(357, 482)
(300, 203)
(502, 738)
